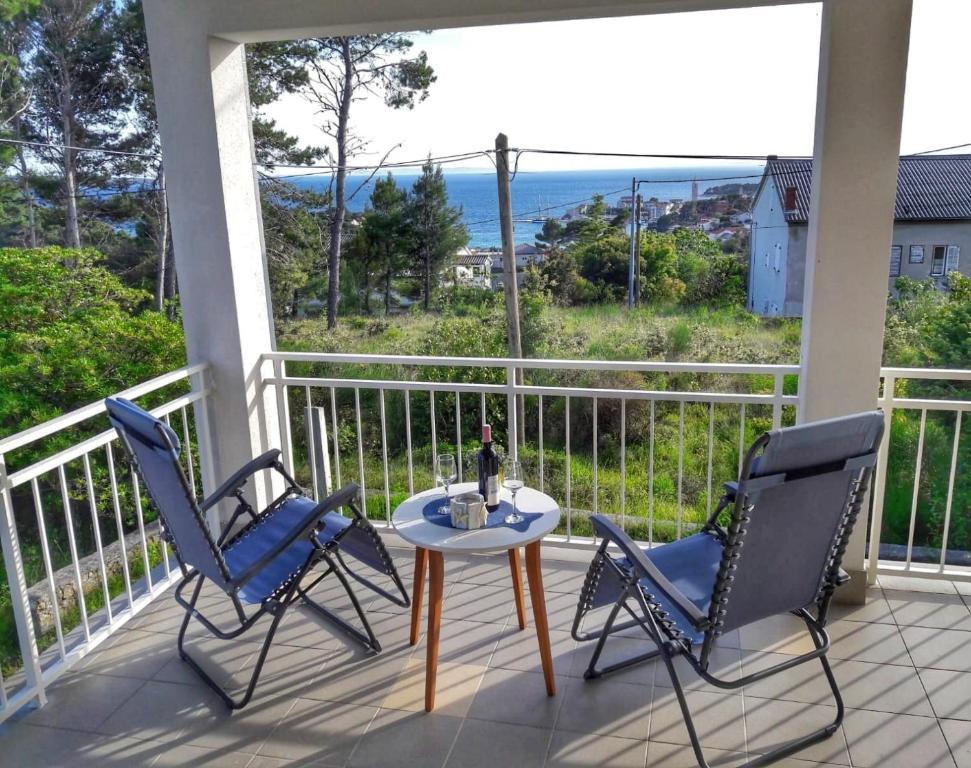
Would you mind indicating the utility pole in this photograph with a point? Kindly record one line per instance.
(637, 250)
(511, 285)
(630, 260)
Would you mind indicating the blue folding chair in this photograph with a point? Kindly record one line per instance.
(789, 520)
(265, 562)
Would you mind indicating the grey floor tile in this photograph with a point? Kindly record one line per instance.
(319, 732)
(881, 687)
(949, 692)
(484, 744)
(876, 610)
(508, 696)
(875, 643)
(661, 755)
(185, 756)
(398, 739)
(84, 702)
(919, 609)
(616, 649)
(894, 741)
(133, 653)
(916, 584)
(162, 711)
(356, 677)
(718, 719)
(579, 750)
(519, 649)
(490, 603)
(606, 707)
(769, 723)
(958, 736)
(244, 730)
(32, 746)
(938, 648)
(464, 642)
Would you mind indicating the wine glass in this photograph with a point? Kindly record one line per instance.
(512, 481)
(445, 473)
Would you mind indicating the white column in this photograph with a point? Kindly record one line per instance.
(859, 107)
(204, 118)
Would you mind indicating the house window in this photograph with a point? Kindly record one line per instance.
(916, 254)
(946, 259)
(896, 252)
(951, 259)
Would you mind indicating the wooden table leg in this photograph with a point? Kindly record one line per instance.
(517, 585)
(421, 560)
(534, 573)
(436, 587)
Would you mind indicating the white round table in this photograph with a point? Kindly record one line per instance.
(417, 523)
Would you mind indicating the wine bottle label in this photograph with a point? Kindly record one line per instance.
(492, 490)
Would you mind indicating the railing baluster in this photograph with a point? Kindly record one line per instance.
(741, 439)
(623, 464)
(45, 550)
(485, 419)
(187, 451)
(411, 465)
(880, 478)
(384, 456)
(680, 465)
(93, 507)
(458, 434)
(650, 480)
(777, 401)
(596, 472)
(431, 406)
(283, 415)
(913, 504)
(139, 515)
(116, 503)
(360, 449)
(711, 449)
(311, 447)
(337, 446)
(72, 544)
(950, 489)
(542, 456)
(569, 502)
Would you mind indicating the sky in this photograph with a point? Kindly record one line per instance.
(738, 82)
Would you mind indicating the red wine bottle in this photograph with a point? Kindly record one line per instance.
(488, 471)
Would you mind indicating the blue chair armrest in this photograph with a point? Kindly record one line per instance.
(240, 476)
(608, 530)
(307, 525)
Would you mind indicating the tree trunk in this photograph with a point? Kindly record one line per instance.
(171, 280)
(367, 290)
(25, 187)
(162, 243)
(72, 232)
(387, 292)
(340, 204)
(428, 277)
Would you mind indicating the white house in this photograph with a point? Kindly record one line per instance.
(931, 231)
(473, 268)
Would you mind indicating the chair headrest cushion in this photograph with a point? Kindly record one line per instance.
(139, 423)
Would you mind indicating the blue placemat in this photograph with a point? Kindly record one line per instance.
(496, 519)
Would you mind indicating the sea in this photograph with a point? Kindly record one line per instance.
(538, 195)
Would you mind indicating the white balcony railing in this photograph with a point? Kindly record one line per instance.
(73, 576)
(649, 443)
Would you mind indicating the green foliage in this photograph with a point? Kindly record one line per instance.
(72, 333)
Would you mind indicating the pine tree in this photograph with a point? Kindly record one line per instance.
(436, 227)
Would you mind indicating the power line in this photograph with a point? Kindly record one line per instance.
(942, 149)
(102, 150)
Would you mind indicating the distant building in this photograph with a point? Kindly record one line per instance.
(722, 235)
(932, 227)
(473, 268)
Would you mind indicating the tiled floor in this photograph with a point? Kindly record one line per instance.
(903, 660)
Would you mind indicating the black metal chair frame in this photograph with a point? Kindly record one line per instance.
(291, 590)
(670, 643)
